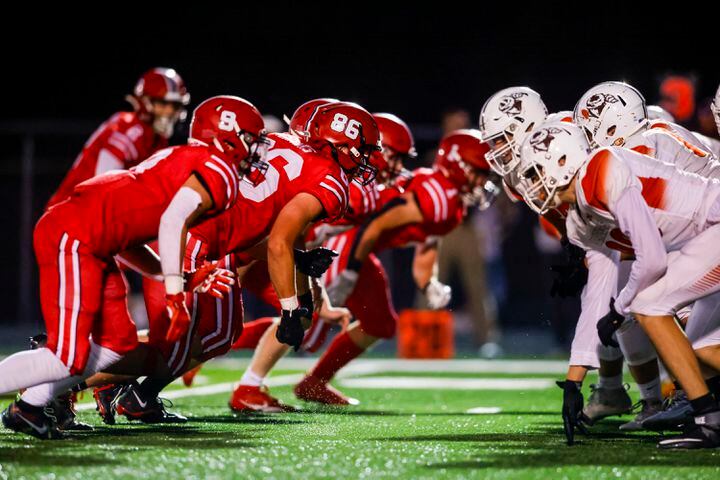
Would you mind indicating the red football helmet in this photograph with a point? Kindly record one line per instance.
(233, 127)
(398, 146)
(298, 122)
(461, 158)
(351, 135)
(160, 97)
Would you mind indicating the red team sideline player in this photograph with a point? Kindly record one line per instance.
(75, 242)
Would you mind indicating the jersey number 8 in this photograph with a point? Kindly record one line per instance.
(350, 127)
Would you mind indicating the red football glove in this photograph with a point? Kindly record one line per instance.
(209, 279)
(179, 316)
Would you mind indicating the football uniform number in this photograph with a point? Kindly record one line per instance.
(292, 163)
(350, 127)
(228, 120)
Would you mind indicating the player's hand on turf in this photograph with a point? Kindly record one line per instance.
(342, 286)
(572, 410)
(438, 294)
(210, 279)
(179, 316)
(315, 262)
(290, 331)
(608, 325)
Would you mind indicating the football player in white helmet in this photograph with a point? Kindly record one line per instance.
(610, 113)
(656, 112)
(612, 209)
(505, 120)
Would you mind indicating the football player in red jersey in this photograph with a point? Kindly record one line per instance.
(304, 180)
(433, 203)
(127, 138)
(251, 394)
(76, 240)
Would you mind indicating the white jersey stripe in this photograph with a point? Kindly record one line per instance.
(342, 188)
(176, 349)
(76, 303)
(228, 188)
(61, 295)
(218, 314)
(334, 192)
(232, 175)
(442, 197)
(436, 201)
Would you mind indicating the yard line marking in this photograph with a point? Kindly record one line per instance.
(484, 410)
(427, 383)
(402, 365)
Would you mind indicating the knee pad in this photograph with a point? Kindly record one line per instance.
(635, 344)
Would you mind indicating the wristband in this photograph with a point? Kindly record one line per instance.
(289, 303)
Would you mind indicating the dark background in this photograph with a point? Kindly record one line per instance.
(64, 72)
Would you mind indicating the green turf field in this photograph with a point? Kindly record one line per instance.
(407, 432)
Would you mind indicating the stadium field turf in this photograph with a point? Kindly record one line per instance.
(413, 422)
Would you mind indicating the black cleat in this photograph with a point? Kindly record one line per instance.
(134, 407)
(105, 398)
(704, 433)
(63, 409)
(33, 422)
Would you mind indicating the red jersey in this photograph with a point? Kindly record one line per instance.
(118, 210)
(294, 168)
(124, 136)
(439, 202)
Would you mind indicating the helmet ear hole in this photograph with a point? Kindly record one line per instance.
(562, 160)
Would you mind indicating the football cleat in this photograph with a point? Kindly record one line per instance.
(311, 389)
(605, 402)
(35, 422)
(249, 399)
(675, 413)
(63, 409)
(704, 432)
(131, 404)
(105, 398)
(647, 411)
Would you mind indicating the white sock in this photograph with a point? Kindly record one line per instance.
(251, 379)
(99, 359)
(651, 391)
(611, 382)
(30, 368)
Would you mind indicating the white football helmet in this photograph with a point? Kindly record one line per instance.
(551, 156)
(715, 107)
(505, 120)
(561, 116)
(656, 112)
(610, 113)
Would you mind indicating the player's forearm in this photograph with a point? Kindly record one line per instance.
(281, 267)
(576, 373)
(142, 260)
(424, 265)
(636, 221)
(172, 235)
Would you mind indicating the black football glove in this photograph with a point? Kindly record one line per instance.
(572, 414)
(608, 325)
(571, 277)
(291, 331)
(315, 262)
(38, 341)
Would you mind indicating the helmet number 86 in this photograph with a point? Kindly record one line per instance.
(350, 127)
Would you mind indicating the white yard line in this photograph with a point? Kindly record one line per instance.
(435, 383)
(360, 366)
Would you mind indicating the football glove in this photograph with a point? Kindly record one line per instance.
(438, 294)
(315, 262)
(608, 325)
(572, 410)
(291, 331)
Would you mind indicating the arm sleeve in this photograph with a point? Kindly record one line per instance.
(107, 161)
(172, 223)
(601, 286)
(637, 223)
